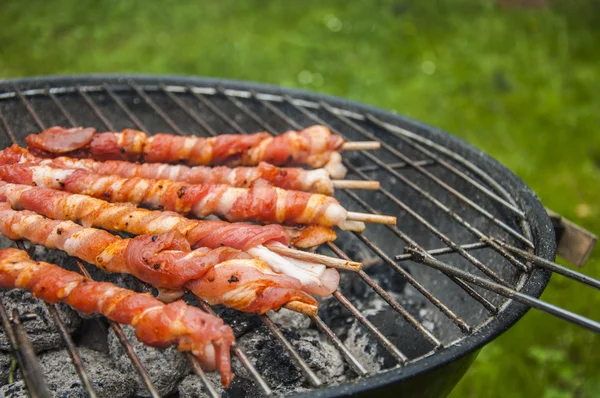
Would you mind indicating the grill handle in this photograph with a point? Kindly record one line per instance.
(574, 243)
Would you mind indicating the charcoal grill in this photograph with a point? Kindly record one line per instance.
(473, 245)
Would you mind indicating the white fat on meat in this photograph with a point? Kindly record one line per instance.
(336, 213)
(315, 178)
(315, 281)
(49, 177)
(334, 167)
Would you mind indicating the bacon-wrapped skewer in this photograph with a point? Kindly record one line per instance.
(262, 202)
(291, 178)
(213, 234)
(315, 146)
(220, 276)
(156, 324)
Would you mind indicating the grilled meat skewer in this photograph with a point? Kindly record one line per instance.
(262, 202)
(315, 146)
(213, 234)
(220, 276)
(156, 324)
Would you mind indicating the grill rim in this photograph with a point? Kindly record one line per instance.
(542, 230)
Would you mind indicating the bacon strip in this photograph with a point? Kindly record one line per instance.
(291, 178)
(212, 234)
(164, 261)
(156, 324)
(315, 146)
(262, 202)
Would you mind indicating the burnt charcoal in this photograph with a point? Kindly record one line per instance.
(14, 390)
(240, 322)
(241, 387)
(93, 334)
(5, 362)
(63, 381)
(166, 367)
(40, 330)
(366, 347)
(276, 366)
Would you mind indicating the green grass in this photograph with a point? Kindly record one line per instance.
(524, 85)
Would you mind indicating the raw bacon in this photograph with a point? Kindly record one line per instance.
(156, 324)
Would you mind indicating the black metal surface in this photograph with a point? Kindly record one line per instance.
(472, 196)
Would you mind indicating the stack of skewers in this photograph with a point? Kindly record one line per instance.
(70, 187)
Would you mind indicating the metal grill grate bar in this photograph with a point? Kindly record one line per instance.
(559, 269)
(22, 351)
(200, 373)
(434, 178)
(390, 300)
(189, 112)
(354, 364)
(241, 355)
(482, 300)
(308, 373)
(413, 185)
(506, 292)
(30, 367)
(403, 134)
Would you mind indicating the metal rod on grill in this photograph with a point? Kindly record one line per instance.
(241, 355)
(542, 262)
(200, 373)
(577, 319)
(77, 362)
(468, 289)
(308, 373)
(394, 304)
(30, 366)
(356, 366)
(23, 352)
(137, 364)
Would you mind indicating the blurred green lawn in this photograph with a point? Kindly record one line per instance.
(524, 85)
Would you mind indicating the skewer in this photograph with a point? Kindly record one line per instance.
(372, 218)
(361, 145)
(315, 258)
(303, 308)
(356, 184)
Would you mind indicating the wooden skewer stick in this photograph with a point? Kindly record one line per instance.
(315, 258)
(355, 226)
(372, 218)
(356, 184)
(361, 145)
(303, 308)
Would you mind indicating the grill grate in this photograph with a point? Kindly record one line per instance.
(413, 170)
